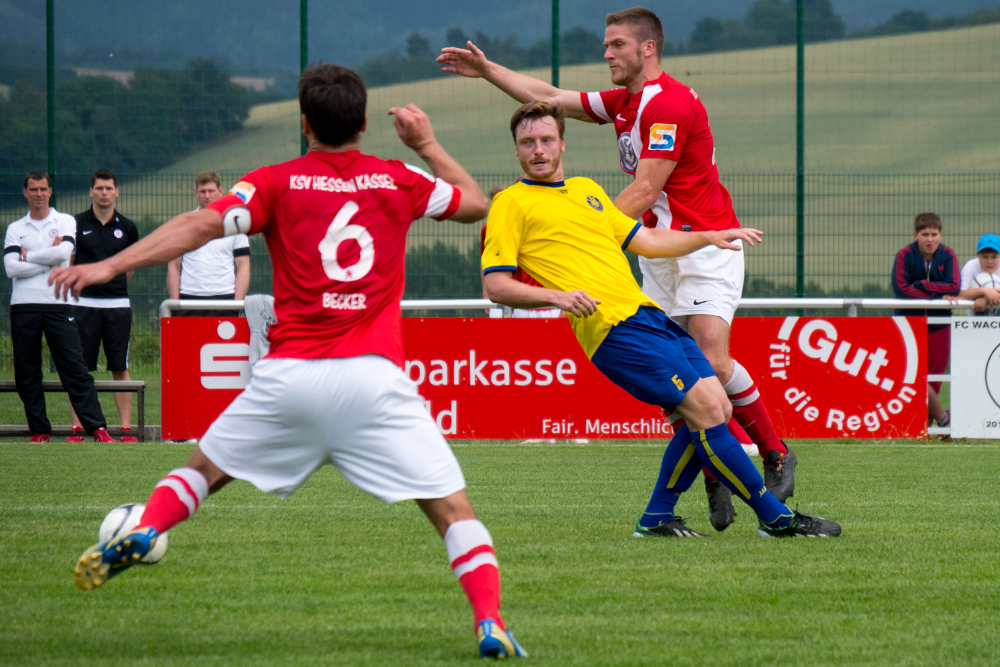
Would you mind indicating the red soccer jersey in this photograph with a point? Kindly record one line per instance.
(335, 226)
(668, 121)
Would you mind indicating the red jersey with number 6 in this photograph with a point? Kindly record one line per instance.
(666, 120)
(335, 226)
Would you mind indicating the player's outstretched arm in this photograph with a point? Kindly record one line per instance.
(500, 287)
(473, 63)
(639, 195)
(414, 129)
(172, 239)
(671, 243)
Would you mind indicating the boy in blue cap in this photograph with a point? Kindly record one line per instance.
(981, 277)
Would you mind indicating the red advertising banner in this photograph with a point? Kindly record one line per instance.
(204, 365)
(519, 378)
(838, 377)
(528, 378)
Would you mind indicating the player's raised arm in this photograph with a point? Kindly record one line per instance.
(671, 243)
(500, 287)
(474, 64)
(414, 129)
(177, 236)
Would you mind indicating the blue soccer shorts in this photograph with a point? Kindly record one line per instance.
(652, 358)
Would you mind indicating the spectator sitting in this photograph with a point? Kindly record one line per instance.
(103, 312)
(207, 273)
(926, 269)
(980, 279)
(33, 246)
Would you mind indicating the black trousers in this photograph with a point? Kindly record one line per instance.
(59, 326)
(207, 313)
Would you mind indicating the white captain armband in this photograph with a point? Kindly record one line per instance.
(236, 220)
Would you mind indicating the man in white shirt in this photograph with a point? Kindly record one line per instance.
(33, 246)
(207, 273)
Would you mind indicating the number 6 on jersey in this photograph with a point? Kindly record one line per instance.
(339, 232)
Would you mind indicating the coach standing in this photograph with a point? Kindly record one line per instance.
(34, 245)
(103, 312)
(207, 272)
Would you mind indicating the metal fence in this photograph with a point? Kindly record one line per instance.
(830, 147)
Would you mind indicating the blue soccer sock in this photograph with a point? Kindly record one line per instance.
(678, 471)
(724, 456)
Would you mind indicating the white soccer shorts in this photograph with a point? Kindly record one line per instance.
(361, 414)
(706, 282)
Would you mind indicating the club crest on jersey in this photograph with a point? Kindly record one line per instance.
(629, 161)
(662, 136)
(244, 191)
(595, 203)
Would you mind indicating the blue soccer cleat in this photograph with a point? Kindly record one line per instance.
(103, 561)
(497, 643)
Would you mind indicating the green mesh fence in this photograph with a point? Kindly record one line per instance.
(894, 125)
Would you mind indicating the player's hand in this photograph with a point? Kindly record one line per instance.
(724, 239)
(979, 305)
(577, 302)
(413, 126)
(24, 254)
(72, 279)
(57, 240)
(470, 62)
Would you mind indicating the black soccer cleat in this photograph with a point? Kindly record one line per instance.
(802, 525)
(721, 512)
(779, 474)
(675, 528)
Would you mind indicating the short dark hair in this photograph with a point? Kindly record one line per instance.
(645, 25)
(207, 177)
(104, 175)
(333, 99)
(534, 110)
(37, 176)
(926, 221)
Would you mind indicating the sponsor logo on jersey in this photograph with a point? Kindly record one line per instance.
(244, 191)
(595, 203)
(629, 160)
(328, 184)
(662, 136)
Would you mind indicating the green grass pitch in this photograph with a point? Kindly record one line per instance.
(334, 577)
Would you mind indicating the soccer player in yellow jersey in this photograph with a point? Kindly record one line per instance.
(569, 236)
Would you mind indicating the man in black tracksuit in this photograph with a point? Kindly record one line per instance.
(33, 246)
(103, 312)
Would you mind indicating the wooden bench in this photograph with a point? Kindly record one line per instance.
(134, 386)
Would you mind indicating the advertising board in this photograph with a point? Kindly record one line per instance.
(834, 377)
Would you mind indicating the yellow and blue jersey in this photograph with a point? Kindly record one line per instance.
(568, 235)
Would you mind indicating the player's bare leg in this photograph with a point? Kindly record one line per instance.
(470, 551)
(712, 335)
(174, 499)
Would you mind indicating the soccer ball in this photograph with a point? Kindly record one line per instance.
(987, 280)
(124, 518)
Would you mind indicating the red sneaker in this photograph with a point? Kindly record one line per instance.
(77, 435)
(40, 437)
(126, 435)
(101, 435)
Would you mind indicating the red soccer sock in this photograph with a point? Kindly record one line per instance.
(470, 550)
(750, 413)
(174, 499)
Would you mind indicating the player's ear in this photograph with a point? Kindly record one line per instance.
(364, 125)
(306, 127)
(562, 145)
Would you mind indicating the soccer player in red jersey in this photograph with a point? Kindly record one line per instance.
(665, 142)
(331, 390)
